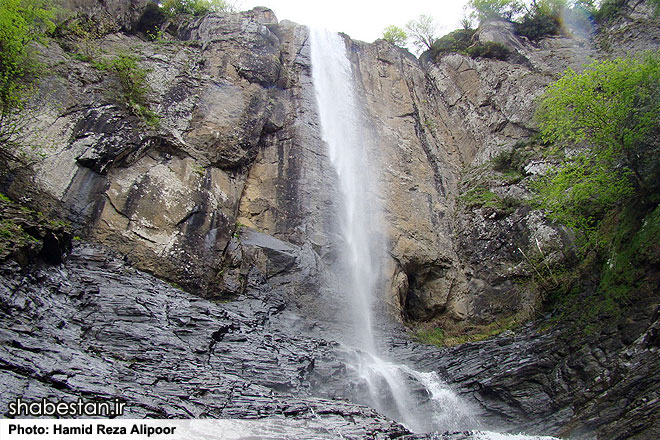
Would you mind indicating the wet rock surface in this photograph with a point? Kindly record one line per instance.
(232, 195)
(560, 381)
(95, 327)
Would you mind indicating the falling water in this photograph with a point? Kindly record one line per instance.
(420, 400)
(342, 130)
(345, 133)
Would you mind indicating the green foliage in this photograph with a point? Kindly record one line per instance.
(422, 32)
(131, 77)
(22, 230)
(623, 274)
(395, 35)
(134, 88)
(613, 106)
(82, 34)
(194, 7)
(581, 191)
(433, 336)
(485, 9)
(538, 24)
(656, 6)
(457, 41)
(488, 49)
(512, 160)
(460, 41)
(608, 10)
(439, 337)
(21, 23)
(481, 196)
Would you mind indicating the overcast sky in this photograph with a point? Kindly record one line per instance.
(363, 20)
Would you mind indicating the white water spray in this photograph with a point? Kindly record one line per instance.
(347, 137)
(343, 131)
(419, 400)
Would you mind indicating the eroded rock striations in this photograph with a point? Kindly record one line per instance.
(230, 194)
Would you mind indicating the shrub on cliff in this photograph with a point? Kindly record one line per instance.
(422, 32)
(134, 89)
(395, 35)
(457, 41)
(612, 111)
(487, 9)
(21, 23)
(194, 7)
(460, 41)
(488, 49)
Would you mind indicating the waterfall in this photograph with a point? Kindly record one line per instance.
(419, 400)
(389, 386)
(343, 131)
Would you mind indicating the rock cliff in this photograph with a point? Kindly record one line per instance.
(230, 193)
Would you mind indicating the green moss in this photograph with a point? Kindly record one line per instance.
(481, 196)
(434, 336)
(489, 49)
(12, 234)
(59, 224)
(439, 337)
(174, 284)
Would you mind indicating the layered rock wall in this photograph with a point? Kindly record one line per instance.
(238, 147)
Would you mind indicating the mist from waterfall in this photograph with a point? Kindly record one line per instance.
(344, 134)
(389, 386)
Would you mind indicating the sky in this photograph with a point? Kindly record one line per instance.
(363, 19)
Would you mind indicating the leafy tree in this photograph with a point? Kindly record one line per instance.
(395, 35)
(613, 108)
(21, 23)
(485, 9)
(457, 41)
(543, 18)
(422, 32)
(195, 7)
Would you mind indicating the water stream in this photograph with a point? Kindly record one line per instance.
(419, 400)
(389, 385)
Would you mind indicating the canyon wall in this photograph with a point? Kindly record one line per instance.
(232, 188)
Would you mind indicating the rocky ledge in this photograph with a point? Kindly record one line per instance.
(95, 327)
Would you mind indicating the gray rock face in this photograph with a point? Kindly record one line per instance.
(233, 195)
(96, 326)
(600, 387)
(239, 144)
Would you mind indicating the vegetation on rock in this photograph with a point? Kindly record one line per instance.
(606, 189)
(22, 22)
(194, 7)
(475, 333)
(133, 85)
(487, 9)
(460, 41)
(395, 35)
(26, 234)
(457, 41)
(422, 32)
(612, 108)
